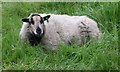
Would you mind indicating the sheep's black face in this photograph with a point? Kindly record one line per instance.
(36, 26)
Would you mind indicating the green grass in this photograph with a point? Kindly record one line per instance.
(102, 55)
(0, 36)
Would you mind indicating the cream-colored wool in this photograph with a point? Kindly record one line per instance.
(67, 29)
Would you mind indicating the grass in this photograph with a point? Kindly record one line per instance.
(0, 36)
(102, 55)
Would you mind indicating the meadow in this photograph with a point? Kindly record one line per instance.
(102, 55)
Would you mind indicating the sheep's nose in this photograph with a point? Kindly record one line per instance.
(38, 30)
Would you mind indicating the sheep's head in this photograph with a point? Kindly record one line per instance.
(36, 24)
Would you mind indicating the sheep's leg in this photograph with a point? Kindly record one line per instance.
(24, 31)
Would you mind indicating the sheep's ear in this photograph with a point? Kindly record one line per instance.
(46, 17)
(25, 20)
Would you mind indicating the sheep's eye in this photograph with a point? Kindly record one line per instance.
(41, 21)
(32, 21)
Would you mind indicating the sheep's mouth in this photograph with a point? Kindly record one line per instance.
(36, 35)
(34, 39)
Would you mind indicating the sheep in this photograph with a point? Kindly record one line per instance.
(54, 29)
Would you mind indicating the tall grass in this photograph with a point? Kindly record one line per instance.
(102, 55)
(0, 36)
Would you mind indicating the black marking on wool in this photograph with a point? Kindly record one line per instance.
(83, 23)
(85, 32)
